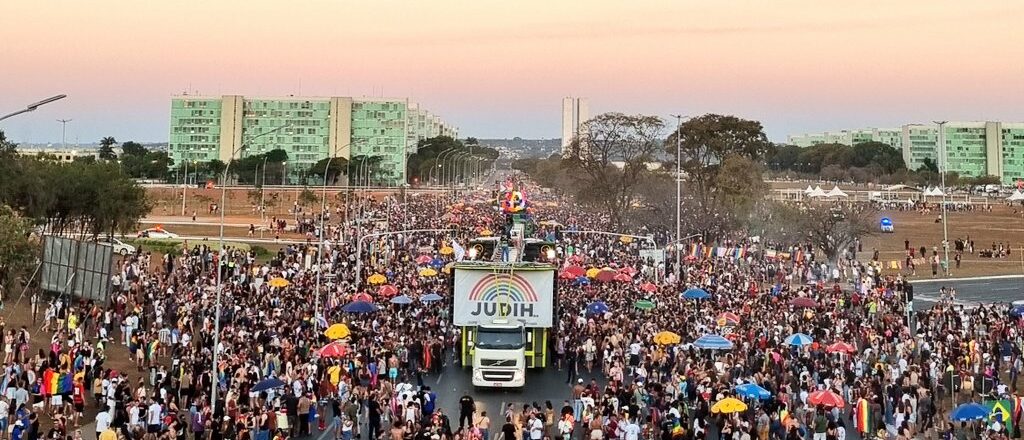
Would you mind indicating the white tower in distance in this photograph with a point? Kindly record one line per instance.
(575, 112)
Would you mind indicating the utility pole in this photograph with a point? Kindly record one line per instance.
(941, 139)
(63, 133)
(679, 194)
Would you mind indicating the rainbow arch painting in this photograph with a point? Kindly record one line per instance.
(497, 286)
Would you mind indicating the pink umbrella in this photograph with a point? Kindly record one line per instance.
(575, 271)
(621, 277)
(606, 275)
(826, 398)
(423, 259)
(362, 296)
(648, 287)
(387, 290)
(841, 347)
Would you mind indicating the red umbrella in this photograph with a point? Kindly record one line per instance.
(606, 275)
(803, 302)
(387, 290)
(826, 398)
(841, 347)
(621, 277)
(362, 297)
(575, 271)
(648, 287)
(333, 350)
(628, 271)
(423, 259)
(566, 275)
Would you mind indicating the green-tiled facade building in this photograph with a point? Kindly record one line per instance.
(207, 128)
(972, 148)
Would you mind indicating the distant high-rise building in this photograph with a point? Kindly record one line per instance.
(208, 128)
(972, 148)
(575, 112)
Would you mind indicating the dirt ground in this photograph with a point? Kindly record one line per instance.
(1004, 225)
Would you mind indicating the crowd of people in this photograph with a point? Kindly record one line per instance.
(242, 359)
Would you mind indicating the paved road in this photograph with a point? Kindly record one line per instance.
(970, 291)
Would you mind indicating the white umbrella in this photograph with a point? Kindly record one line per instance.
(808, 190)
(937, 192)
(817, 193)
(1016, 196)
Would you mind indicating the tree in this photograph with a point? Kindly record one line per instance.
(471, 141)
(17, 252)
(613, 153)
(7, 147)
(707, 144)
(425, 161)
(834, 228)
(107, 148)
(928, 165)
(133, 148)
(338, 165)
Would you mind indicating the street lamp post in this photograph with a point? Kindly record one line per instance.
(451, 168)
(33, 106)
(439, 161)
(941, 138)
(184, 187)
(220, 262)
(679, 191)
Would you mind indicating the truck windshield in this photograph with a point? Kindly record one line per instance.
(499, 338)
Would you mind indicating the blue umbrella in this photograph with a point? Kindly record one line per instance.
(799, 339)
(582, 281)
(437, 263)
(713, 342)
(401, 299)
(969, 411)
(597, 308)
(753, 391)
(431, 297)
(1017, 311)
(696, 293)
(266, 384)
(359, 307)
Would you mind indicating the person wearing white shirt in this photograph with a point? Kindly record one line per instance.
(632, 430)
(102, 422)
(153, 417)
(536, 428)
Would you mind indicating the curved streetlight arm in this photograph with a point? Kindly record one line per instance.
(359, 247)
(439, 161)
(33, 106)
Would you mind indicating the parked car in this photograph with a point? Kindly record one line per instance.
(119, 246)
(157, 232)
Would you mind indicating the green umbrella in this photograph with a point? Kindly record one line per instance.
(644, 304)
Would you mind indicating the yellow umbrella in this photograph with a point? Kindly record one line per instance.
(592, 272)
(486, 233)
(278, 282)
(626, 240)
(447, 268)
(729, 405)
(446, 250)
(428, 272)
(377, 279)
(337, 331)
(667, 338)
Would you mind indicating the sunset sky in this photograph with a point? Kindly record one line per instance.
(500, 69)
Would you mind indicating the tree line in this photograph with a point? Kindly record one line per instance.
(616, 168)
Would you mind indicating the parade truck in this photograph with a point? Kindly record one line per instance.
(505, 312)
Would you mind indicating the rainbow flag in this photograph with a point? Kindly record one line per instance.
(151, 349)
(862, 416)
(708, 250)
(740, 252)
(693, 250)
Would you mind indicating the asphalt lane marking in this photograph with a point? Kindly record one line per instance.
(953, 280)
(1000, 289)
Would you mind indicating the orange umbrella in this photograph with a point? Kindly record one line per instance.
(628, 271)
(621, 277)
(648, 287)
(605, 275)
(576, 271)
(826, 398)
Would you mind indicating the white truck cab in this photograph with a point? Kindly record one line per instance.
(499, 356)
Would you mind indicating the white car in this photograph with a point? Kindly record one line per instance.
(118, 245)
(156, 233)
